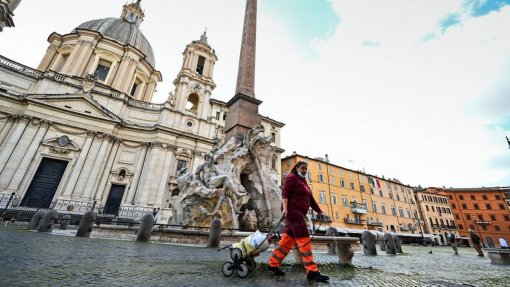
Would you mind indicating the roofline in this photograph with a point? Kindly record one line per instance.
(357, 171)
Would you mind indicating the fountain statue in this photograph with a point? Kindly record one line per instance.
(233, 184)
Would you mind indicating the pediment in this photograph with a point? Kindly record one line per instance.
(80, 103)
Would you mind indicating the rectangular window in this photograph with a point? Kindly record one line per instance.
(507, 218)
(133, 89)
(493, 217)
(484, 197)
(371, 190)
(374, 206)
(333, 198)
(427, 207)
(480, 217)
(398, 197)
(320, 166)
(352, 185)
(472, 197)
(453, 206)
(497, 228)
(488, 206)
(345, 201)
(180, 165)
(102, 70)
(383, 208)
(497, 196)
(501, 206)
(337, 215)
(401, 212)
(332, 180)
(393, 211)
(408, 213)
(461, 197)
(380, 193)
(468, 217)
(309, 176)
(457, 216)
(218, 115)
(464, 206)
(362, 188)
(433, 209)
(460, 226)
(476, 206)
(484, 227)
(321, 178)
(342, 183)
(390, 194)
(322, 197)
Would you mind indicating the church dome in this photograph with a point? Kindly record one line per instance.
(122, 31)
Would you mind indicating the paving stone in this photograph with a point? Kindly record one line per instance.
(36, 259)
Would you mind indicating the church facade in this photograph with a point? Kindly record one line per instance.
(80, 131)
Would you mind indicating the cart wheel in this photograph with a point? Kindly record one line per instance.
(228, 269)
(243, 270)
(236, 254)
(250, 261)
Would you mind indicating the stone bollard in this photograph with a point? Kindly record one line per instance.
(215, 234)
(86, 223)
(36, 218)
(398, 243)
(65, 222)
(382, 244)
(47, 221)
(145, 229)
(344, 253)
(331, 246)
(368, 243)
(390, 243)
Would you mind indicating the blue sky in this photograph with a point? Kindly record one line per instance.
(306, 20)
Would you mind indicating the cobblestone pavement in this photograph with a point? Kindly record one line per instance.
(36, 259)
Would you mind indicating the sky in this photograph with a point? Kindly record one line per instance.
(417, 90)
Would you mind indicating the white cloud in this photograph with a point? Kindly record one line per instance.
(405, 108)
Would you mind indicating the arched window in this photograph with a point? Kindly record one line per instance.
(200, 65)
(192, 104)
(273, 162)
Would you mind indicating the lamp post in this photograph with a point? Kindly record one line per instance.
(478, 230)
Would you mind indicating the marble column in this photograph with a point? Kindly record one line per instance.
(107, 170)
(18, 153)
(6, 129)
(29, 156)
(165, 173)
(144, 187)
(12, 140)
(73, 178)
(96, 168)
(87, 167)
(137, 173)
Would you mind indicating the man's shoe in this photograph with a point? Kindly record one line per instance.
(317, 276)
(276, 271)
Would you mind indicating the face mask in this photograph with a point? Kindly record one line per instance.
(302, 175)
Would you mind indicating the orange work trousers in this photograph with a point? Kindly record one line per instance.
(284, 247)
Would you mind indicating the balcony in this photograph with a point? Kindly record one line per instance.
(359, 208)
(483, 222)
(408, 227)
(375, 223)
(352, 221)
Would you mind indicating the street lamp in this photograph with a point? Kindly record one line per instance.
(418, 222)
(478, 229)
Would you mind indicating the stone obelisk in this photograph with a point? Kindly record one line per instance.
(243, 108)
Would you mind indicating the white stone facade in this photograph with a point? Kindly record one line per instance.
(106, 134)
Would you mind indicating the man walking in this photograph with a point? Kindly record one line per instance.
(453, 243)
(476, 242)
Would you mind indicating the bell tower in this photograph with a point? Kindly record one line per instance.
(194, 83)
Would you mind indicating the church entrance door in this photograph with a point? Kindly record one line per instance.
(114, 199)
(42, 189)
